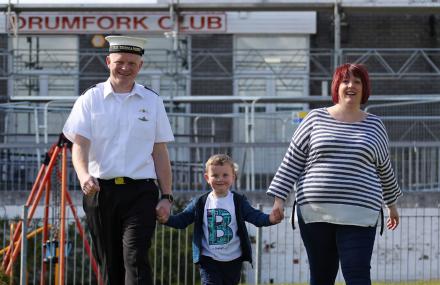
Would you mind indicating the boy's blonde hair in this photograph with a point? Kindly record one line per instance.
(221, 159)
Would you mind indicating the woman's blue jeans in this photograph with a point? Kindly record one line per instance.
(328, 244)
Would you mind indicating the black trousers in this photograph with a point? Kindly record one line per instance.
(122, 220)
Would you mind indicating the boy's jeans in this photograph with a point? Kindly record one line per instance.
(213, 272)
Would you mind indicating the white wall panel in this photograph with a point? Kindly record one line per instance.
(271, 22)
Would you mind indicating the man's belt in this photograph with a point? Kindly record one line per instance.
(124, 180)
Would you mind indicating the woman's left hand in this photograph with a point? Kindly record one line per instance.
(393, 217)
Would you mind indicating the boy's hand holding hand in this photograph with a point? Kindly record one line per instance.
(276, 216)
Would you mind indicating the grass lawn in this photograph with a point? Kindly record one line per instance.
(433, 282)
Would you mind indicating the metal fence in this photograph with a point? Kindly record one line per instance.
(410, 253)
(416, 165)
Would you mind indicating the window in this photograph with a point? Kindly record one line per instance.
(271, 65)
(44, 66)
(268, 65)
(166, 70)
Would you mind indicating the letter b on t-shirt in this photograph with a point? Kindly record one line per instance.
(218, 226)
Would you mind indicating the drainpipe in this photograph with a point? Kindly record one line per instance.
(337, 36)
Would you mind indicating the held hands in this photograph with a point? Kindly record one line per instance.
(89, 185)
(277, 214)
(163, 210)
(393, 217)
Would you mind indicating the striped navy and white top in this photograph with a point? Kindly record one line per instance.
(342, 170)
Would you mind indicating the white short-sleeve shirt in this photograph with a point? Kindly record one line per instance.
(122, 132)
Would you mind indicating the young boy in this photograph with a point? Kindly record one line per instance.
(220, 240)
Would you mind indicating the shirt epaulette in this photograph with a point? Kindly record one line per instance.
(88, 89)
(151, 90)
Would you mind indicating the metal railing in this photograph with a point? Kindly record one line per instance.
(412, 127)
(407, 120)
(416, 165)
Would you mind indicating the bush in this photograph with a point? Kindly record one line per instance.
(4, 279)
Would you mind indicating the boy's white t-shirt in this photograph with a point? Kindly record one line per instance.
(220, 240)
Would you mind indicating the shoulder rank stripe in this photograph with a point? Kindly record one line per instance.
(87, 89)
(151, 90)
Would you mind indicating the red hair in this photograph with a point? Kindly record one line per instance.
(345, 71)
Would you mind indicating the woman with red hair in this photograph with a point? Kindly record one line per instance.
(338, 159)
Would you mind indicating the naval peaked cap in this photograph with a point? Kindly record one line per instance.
(126, 44)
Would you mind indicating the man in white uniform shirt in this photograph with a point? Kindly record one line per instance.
(119, 131)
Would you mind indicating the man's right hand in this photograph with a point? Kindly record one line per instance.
(89, 185)
(80, 160)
